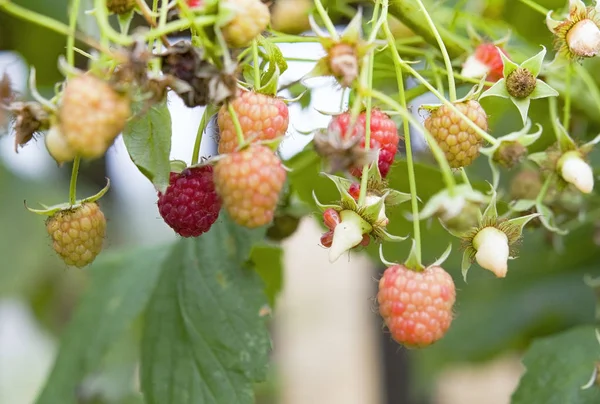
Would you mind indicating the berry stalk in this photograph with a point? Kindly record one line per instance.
(567, 106)
(203, 122)
(445, 56)
(236, 124)
(255, 64)
(73, 184)
(326, 20)
(408, 144)
(368, 67)
(73, 12)
(544, 190)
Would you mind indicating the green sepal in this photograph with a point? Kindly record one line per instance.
(547, 219)
(539, 158)
(565, 141)
(534, 63)
(508, 66)
(522, 105)
(455, 233)
(491, 213)
(178, 166)
(587, 147)
(382, 258)
(352, 34)
(323, 206)
(497, 90)
(465, 265)
(51, 210)
(382, 234)
(394, 197)
(413, 261)
(513, 228)
(443, 257)
(522, 205)
(542, 90)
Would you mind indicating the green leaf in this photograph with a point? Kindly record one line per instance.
(205, 339)
(148, 141)
(268, 262)
(120, 287)
(557, 367)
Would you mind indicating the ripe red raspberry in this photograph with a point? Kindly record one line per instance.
(384, 136)
(354, 191)
(78, 233)
(327, 239)
(120, 6)
(91, 115)
(261, 117)
(190, 205)
(249, 182)
(416, 306)
(251, 17)
(459, 142)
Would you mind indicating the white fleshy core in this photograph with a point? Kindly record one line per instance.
(474, 68)
(492, 250)
(347, 234)
(577, 172)
(382, 219)
(584, 38)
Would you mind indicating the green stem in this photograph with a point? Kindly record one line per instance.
(533, 5)
(362, 196)
(292, 39)
(412, 182)
(446, 57)
(407, 12)
(256, 64)
(35, 18)
(567, 106)
(326, 20)
(236, 124)
(203, 122)
(162, 21)
(465, 177)
(544, 190)
(73, 185)
(107, 30)
(554, 117)
(73, 13)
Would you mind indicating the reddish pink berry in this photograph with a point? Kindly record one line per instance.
(416, 306)
(384, 136)
(354, 191)
(261, 117)
(327, 239)
(487, 53)
(190, 205)
(331, 218)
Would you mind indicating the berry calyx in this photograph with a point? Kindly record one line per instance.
(190, 204)
(91, 115)
(77, 233)
(120, 6)
(459, 142)
(416, 306)
(249, 183)
(261, 118)
(251, 17)
(384, 136)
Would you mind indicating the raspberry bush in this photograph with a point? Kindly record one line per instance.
(465, 127)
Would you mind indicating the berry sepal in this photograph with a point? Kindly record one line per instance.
(520, 83)
(51, 210)
(510, 150)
